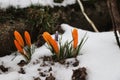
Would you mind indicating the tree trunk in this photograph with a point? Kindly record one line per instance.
(115, 16)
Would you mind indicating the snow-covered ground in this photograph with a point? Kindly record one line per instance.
(26, 3)
(100, 56)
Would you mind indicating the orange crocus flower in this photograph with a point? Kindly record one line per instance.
(75, 37)
(47, 37)
(27, 38)
(54, 45)
(19, 48)
(19, 38)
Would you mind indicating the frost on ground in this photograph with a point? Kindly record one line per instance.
(100, 56)
(26, 3)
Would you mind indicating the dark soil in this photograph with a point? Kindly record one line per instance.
(3, 68)
(63, 61)
(37, 78)
(22, 63)
(79, 74)
(51, 77)
(42, 74)
(76, 63)
(22, 71)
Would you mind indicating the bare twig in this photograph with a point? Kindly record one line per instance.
(87, 18)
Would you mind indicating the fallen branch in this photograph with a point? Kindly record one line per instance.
(87, 18)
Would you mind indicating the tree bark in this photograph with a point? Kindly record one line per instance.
(115, 16)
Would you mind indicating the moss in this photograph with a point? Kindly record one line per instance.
(33, 16)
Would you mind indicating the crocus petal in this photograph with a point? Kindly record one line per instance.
(47, 37)
(75, 37)
(19, 48)
(54, 45)
(19, 38)
(27, 38)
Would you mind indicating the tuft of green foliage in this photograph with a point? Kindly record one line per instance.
(66, 50)
(41, 19)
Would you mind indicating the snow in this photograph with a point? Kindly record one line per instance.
(100, 55)
(27, 3)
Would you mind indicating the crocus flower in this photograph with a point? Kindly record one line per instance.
(27, 38)
(52, 42)
(19, 38)
(54, 45)
(56, 36)
(46, 37)
(19, 48)
(75, 37)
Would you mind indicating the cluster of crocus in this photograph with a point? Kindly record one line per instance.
(66, 50)
(26, 51)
